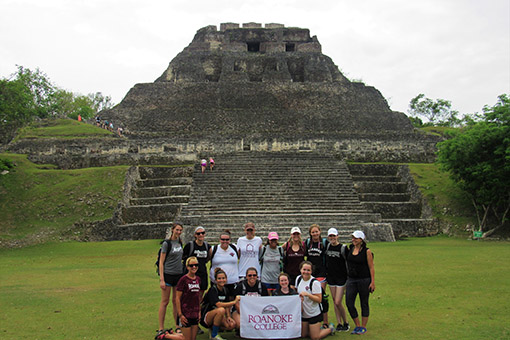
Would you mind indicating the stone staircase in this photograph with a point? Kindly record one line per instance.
(388, 189)
(154, 197)
(278, 191)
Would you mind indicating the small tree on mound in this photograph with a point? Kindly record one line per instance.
(478, 159)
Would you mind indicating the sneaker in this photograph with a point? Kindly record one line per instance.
(217, 337)
(332, 327)
(362, 330)
(355, 331)
(343, 328)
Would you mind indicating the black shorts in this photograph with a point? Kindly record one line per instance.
(172, 279)
(313, 320)
(191, 322)
(335, 281)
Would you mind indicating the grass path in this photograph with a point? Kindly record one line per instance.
(430, 288)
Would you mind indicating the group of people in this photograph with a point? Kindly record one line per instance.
(203, 164)
(303, 267)
(108, 125)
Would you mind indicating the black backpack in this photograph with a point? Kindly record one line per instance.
(261, 256)
(159, 255)
(215, 249)
(324, 305)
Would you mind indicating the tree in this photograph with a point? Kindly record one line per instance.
(16, 108)
(438, 112)
(478, 159)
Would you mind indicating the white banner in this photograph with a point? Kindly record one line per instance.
(270, 317)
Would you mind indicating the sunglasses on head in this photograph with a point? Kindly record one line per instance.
(200, 233)
(193, 265)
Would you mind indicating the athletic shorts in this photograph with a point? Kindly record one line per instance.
(313, 320)
(336, 282)
(321, 279)
(172, 279)
(191, 322)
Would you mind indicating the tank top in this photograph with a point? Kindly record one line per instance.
(357, 265)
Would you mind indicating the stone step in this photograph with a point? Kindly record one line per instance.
(376, 187)
(384, 197)
(165, 172)
(405, 227)
(161, 191)
(150, 213)
(361, 178)
(159, 200)
(373, 169)
(162, 182)
(394, 209)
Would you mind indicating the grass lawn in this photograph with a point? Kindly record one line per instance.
(62, 129)
(428, 288)
(37, 200)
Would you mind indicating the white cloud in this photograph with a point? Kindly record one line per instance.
(457, 50)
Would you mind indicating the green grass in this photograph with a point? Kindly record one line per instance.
(428, 288)
(449, 203)
(37, 199)
(62, 129)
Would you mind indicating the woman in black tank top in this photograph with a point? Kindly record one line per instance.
(360, 280)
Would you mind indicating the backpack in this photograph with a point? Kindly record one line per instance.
(159, 255)
(192, 249)
(324, 305)
(261, 256)
(215, 249)
(205, 300)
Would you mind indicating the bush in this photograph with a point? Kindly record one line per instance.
(6, 164)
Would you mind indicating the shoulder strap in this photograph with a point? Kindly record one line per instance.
(260, 287)
(191, 248)
(298, 280)
(280, 250)
(214, 250)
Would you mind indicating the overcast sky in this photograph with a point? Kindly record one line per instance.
(451, 49)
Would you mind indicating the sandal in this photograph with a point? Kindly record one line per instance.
(160, 335)
(178, 330)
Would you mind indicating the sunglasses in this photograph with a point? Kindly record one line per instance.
(249, 229)
(224, 239)
(251, 275)
(200, 233)
(193, 265)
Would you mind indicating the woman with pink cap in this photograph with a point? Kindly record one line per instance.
(271, 259)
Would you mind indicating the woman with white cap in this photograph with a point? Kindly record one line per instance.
(271, 258)
(337, 276)
(294, 254)
(360, 280)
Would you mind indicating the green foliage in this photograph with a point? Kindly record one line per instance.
(478, 158)
(6, 164)
(29, 94)
(38, 201)
(436, 112)
(62, 129)
(79, 290)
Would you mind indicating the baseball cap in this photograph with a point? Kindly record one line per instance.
(332, 231)
(358, 234)
(272, 235)
(198, 228)
(295, 230)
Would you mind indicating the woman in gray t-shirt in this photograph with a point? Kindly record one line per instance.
(170, 271)
(271, 259)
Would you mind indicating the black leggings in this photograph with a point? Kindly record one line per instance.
(353, 288)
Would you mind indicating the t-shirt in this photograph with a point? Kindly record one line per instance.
(226, 260)
(310, 307)
(249, 254)
(335, 264)
(315, 254)
(278, 292)
(213, 296)
(270, 265)
(190, 299)
(201, 253)
(292, 260)
(173, 261)
(250, 290)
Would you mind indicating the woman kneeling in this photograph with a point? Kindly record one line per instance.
(217, 305)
